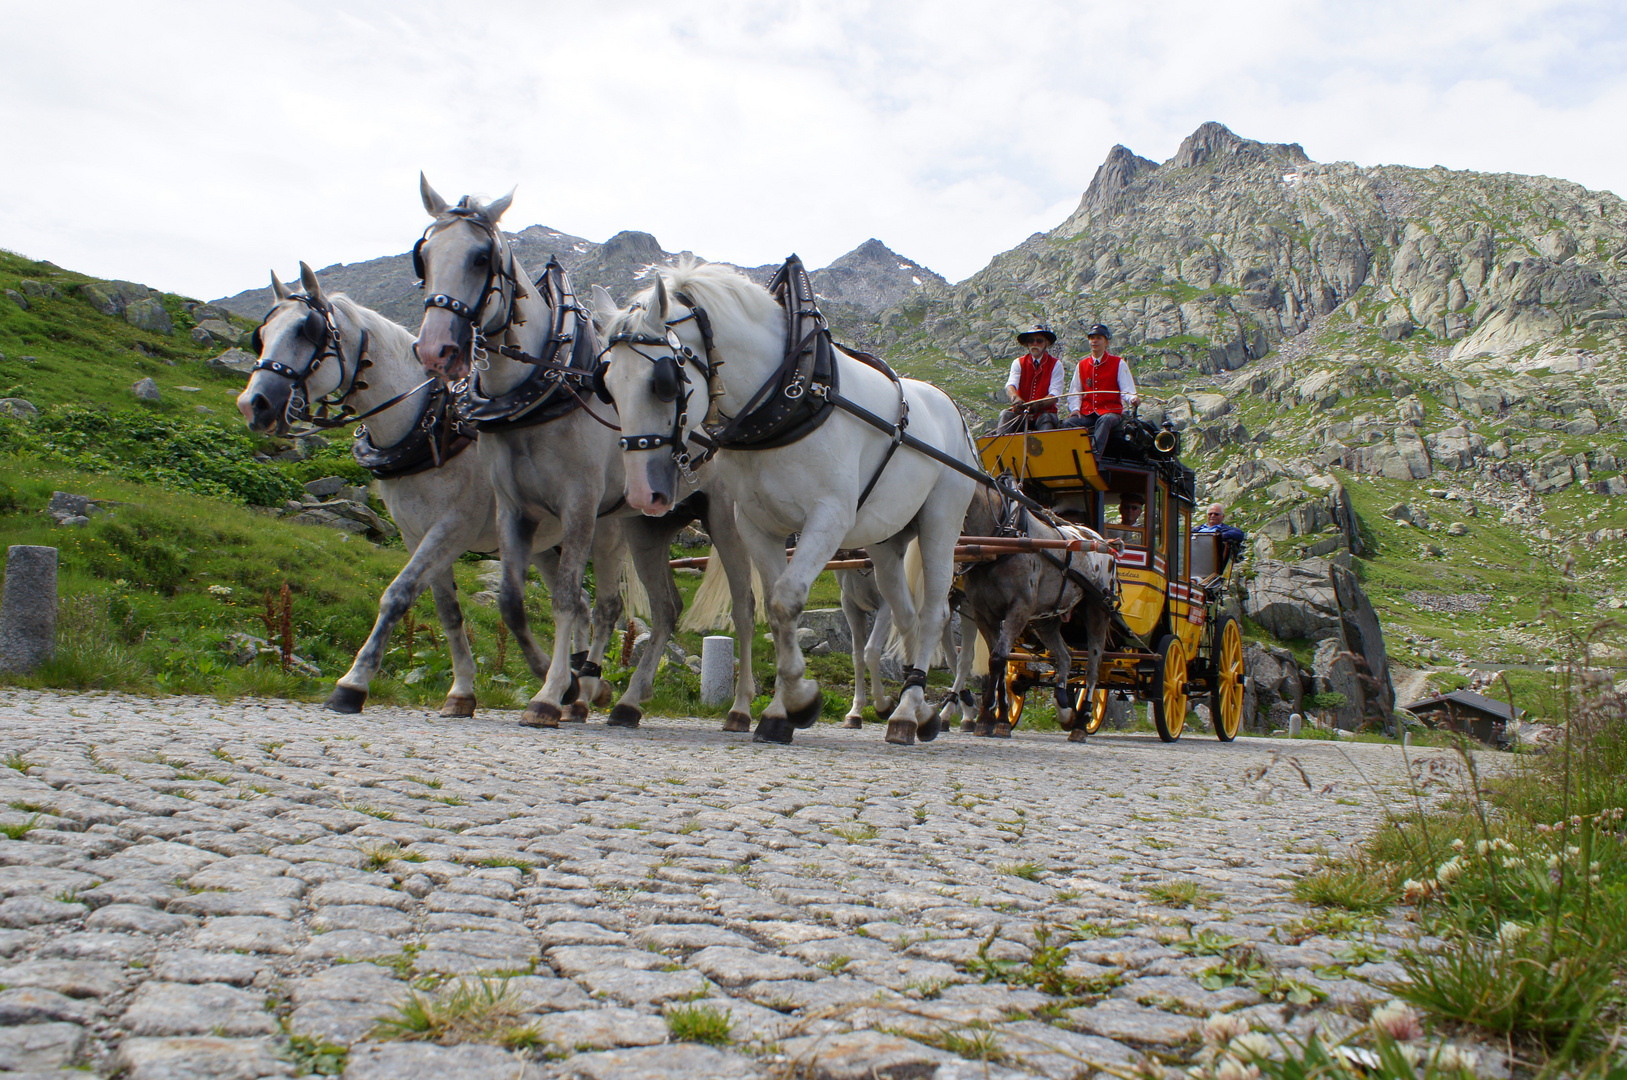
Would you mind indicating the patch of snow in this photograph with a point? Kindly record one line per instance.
(916, 280)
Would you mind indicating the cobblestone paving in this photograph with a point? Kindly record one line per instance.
(203, 880)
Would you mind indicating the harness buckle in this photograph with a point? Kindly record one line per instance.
(795, 390)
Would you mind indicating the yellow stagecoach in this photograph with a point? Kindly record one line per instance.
(1169, 640)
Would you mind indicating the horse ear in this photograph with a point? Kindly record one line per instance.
(307, 278)
(662, 304)
(432, 202)
(493, 210)
(604, 307)
(278, 289)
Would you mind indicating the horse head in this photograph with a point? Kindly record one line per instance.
(467, 274)
(644, 374)
(297, 334)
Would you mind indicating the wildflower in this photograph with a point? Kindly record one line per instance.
(220, 590)
(1572, 851)
(1253, 1043)
(1222, 1028)
(1451, 1057)
(1415, 892)
(1232, 1069)
(1510, 933)
(1457, 845)
(1397, 1020)
(1410, 1053)
(1449, 871)
(1481, 847)
(1510, 864)
(1553, 862)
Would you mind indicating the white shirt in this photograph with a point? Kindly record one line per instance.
(1058, 376)
(1127, 383)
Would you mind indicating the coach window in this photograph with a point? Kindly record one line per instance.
(1124, 516)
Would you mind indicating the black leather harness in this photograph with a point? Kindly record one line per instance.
(437, 436)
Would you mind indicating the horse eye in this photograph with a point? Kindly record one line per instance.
(480, 260)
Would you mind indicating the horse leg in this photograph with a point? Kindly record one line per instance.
(576, 524)
(797, 700)
(434, 554)
(460, 699)
(609, 551)
(960, 697)
(1010, 628)
(648, 544)
(547, 564)
(1096, 627)
(850, 582)
(874, 648)
(888, 559)
(725, 534)
(1050, 632)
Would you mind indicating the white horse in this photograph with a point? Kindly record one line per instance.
(838, 485)
(313, 342)
(558, 482)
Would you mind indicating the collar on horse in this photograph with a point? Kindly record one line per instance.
(553, 388)
(438, 435)
(321, 330)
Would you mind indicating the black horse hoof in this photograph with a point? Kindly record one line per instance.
(345, 700)
(541, 714)
(773, 731)
(575, 713)
(573, 691)
(737, 721)
(884, 711)
(804, 717)
(928, 731)
(624, 716)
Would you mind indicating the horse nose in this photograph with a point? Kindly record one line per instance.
(258, 412)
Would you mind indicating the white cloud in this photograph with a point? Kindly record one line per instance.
(192, 146)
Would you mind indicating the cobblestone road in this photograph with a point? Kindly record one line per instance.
(202, 880)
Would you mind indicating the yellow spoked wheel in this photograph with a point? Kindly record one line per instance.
(1226, 697)
(1090, 712)
(1014, 697)
(1169, 707)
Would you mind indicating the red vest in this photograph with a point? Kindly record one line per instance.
(1099, 385)
(1035, 381)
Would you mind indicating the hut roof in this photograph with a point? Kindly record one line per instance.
(1467, 699)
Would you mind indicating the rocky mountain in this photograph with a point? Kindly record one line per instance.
(1232, 246)
(854, 289)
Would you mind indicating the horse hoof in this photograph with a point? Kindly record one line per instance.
(968, 726)
(1065, 719)
(884, 710)
(459, 705)
(853, 722)
(773, 731)
(345, 700)
(928, 731)
(572, 692)
(576, 712)
(1001, 731)
(982, 729)
(901, 732)
(737, 721)
(1078, 735)
(805, 716)
(606, 692)
(624, 716)
(540, 714)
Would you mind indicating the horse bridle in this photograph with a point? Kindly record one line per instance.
(671, 382)
(322, 331)
(500, 278)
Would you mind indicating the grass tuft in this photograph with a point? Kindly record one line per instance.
(479, 1010)
(700, 1024)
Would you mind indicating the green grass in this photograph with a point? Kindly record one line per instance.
(1354, 889)
(480, 1010)
(700, 1024)
(20, 830)
(1180, 892)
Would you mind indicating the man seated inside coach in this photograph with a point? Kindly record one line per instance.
(1231, 537)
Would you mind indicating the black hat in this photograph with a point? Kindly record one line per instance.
(1098, 328)
(1040, 330)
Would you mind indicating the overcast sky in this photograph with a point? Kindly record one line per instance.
(192, 146)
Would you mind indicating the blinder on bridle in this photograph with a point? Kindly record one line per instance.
(499, 274)
(669, 382)
(314, 330)
(321, 331)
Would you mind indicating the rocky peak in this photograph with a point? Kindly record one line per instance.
(1214, 141)
(1114, 175)
(873, 277)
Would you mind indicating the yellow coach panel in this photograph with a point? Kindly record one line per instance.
(1062, 459)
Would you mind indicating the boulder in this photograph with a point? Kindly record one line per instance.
(329, 485)
(220, 330)
(40, 289)
(1344, 516)
(1273, 679)
(1363, 638)
(66, 508)
(1293, 600)
(147, 390)
(234, 360)
(17, 298)
(150, 315)
(1334, 672)
(18, 408)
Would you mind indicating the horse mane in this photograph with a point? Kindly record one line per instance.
(380, 326)
(727, 295)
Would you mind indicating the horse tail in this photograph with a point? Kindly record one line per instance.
(915, 577)
(980, 658)
(636, 597)
(713, 604)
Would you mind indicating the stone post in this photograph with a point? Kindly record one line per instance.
(28, 608)
(1295, 720)
(717, 670)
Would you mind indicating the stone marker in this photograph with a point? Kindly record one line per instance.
(28, 608)
(717, 670)
(1295, 720)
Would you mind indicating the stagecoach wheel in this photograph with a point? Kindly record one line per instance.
(1014, 696)
(1226, 699)
(1169, 707)
(1090, 714)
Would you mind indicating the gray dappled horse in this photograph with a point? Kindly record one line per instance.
(710, 331)
(559, 482)
(1028, 590)
(315, 347)
(861, 598)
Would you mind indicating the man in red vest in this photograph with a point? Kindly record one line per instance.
(1102, 386)
(1034, 385)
